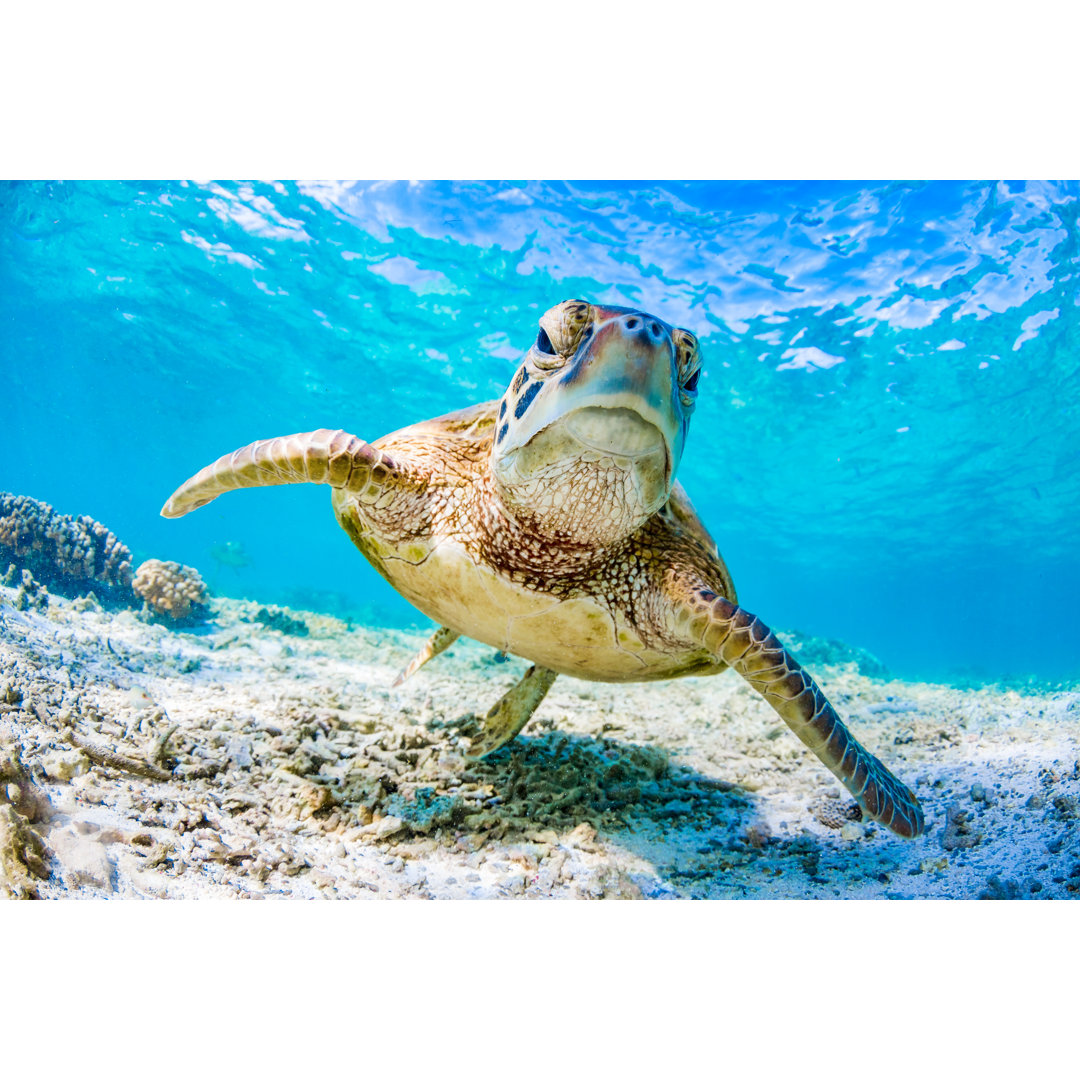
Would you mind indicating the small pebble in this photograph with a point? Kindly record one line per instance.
(239, 750)
(388, 826)
(64, 764)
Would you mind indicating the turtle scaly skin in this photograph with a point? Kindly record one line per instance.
(549, 525)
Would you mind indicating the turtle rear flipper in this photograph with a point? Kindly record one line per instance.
(512, 711)
(311, 457)
(745, 643)
(439, 642)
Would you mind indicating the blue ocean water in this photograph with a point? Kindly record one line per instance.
(886, 445)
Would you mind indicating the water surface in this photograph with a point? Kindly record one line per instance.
(886, 442)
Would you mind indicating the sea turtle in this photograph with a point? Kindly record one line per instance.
(549, 525)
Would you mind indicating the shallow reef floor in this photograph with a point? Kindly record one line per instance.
(239, 760)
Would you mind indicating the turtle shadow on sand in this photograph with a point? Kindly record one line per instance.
(559, 780)
(683, 833)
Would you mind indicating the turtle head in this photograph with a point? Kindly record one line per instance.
(591, 430)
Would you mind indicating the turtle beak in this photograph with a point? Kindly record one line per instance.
(620, 390)
(589, 445)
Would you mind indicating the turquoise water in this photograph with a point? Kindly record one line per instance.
(886, 445)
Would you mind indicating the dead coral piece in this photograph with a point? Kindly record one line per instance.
(996, 889)
(31, 594)
(171, 589)
(958, 832)
(82, 858)
(835, 813)
(89, 602)
(64, 552)
(22, 856)
(274, 618)
(103, 756)
(16, 787)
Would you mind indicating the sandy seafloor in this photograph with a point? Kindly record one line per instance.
(262, 764)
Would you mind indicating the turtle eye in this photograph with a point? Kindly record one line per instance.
(543, 343)
(686, 357)
(562, 327)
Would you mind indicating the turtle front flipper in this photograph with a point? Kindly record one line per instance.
(512, 711)
(745, 643)
(312, 457)
(439, 642)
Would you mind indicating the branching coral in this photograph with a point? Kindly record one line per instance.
(70, 554)
(171, 589)
(66, 553)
